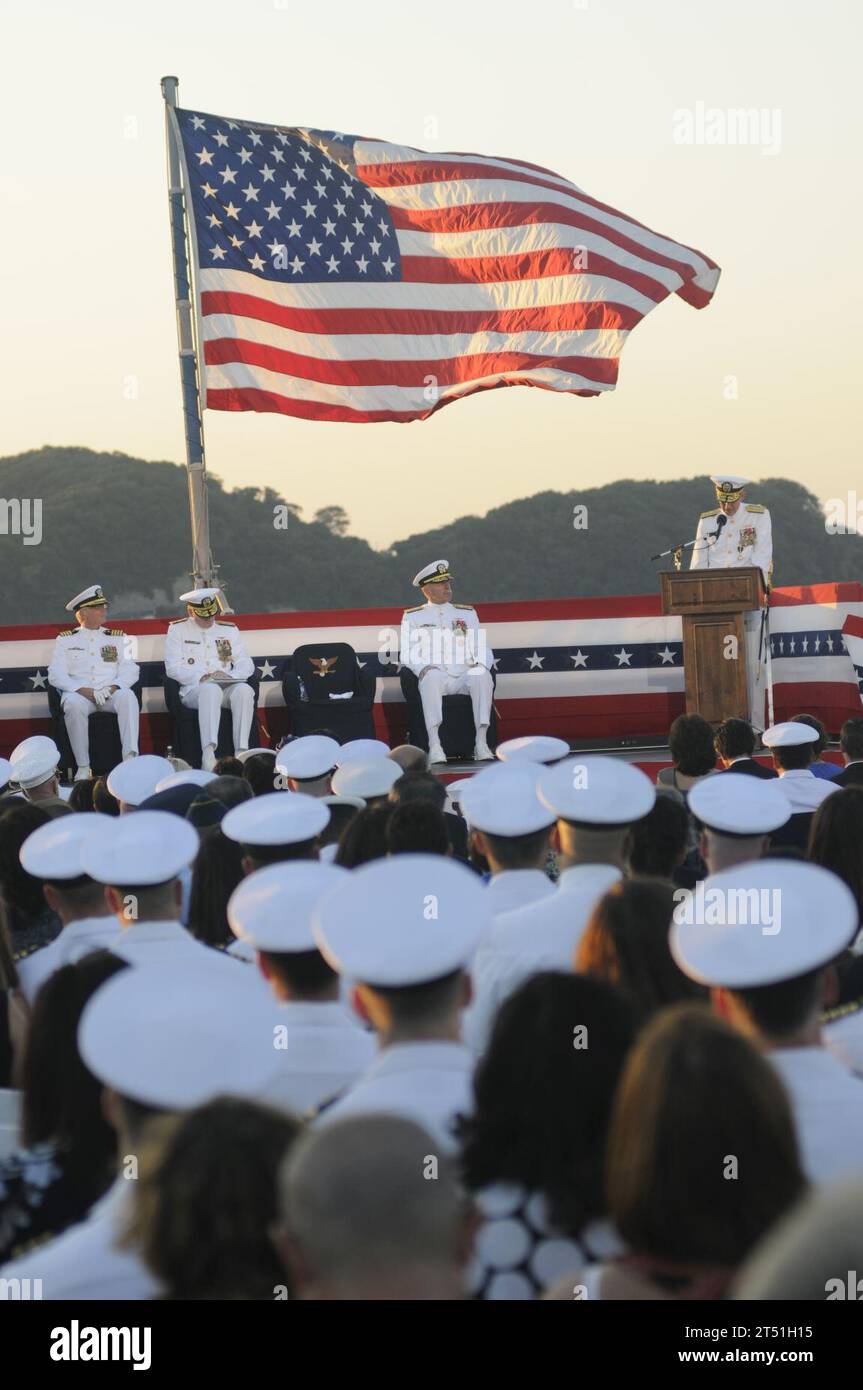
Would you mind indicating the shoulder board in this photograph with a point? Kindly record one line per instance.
(115, 632)
(69, 632)
(224, 622)
(841, 1011)
(418, 608)
(715, 512)
(753, 507)
(469, 606)
(174, 621)
(28, 951)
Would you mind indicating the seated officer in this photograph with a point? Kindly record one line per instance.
(442, 644)
(208, 659)
(92, 669)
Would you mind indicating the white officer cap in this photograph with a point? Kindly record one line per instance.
(597, 791)
(435, 573)
(789, 735)
(362, 748)
(277, 818)
(405, 920)
(366, 777)
(33, 761)
(5, 772)
(313, 755)
(333, 800)
(135, 780)
(206, 603)
(189, 777)
(814, 910)
(247, 753)
(734, 804)
(533, 748)
(140, 850)
(93, 597)
(53, 852)
(174, 1036)
(727, 485)
(503, 800)
(272, 908)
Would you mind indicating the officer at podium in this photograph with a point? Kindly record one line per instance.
(733, 534)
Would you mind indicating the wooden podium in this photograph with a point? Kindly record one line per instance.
(712, 604)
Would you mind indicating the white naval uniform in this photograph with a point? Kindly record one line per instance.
(543, 935)
(325, 1052)
(428, 1082)
(827, 1104)
(745, 539)
(167, 942)
(192, 652)
(447, 637)
(514, 888)
(95, 659)
(76, 940)
(85, 1262)
(804, 790)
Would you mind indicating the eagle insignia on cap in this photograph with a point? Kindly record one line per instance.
(323, 664)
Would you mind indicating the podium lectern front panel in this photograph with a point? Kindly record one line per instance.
(712, 604)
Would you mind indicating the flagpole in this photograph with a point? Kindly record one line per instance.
(203, 570)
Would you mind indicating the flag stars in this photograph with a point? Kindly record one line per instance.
(254, 229)
(320, 189)
(308, 208)
(330, 227)
(214, 221)
(276, 248)
(358, 226)
(272, 211)
(299, 171)
(205, 157)
(297, 265)
(268, 173)
(327, 172)
(255, 138)
(245, 155)
(624, 658)
(332, 265)
(236, 242)
(347, 190)
(304, 154)
(198, 123)
(228, 174)
(294, 228)
(288, 190)
(367, 208)
(314, 247)
(231, 210)
(220, 138)
(255, 262)
(251, 192)
(340, 208)
(362, 265)
(278, 155)
(388, 265)
(218, 253)
(347, 245)
(385, 231)
(375, 245)
(209, 190)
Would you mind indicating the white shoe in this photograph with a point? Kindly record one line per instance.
(482, 753)
(208, 758)
(127, 757)
(436, 753)
(83, 774)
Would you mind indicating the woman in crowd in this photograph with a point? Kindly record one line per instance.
(659, 843)
(365, 838)
(693, 756)
(29, 920)
(836, 842)
(217, 872)
(534, 1149)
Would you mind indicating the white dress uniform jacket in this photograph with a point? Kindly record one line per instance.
(745, 539)
(160, 943)
(96, 659)
(76, 940)
(514, 888)
(428, 1082)
(192, 652)
(325, 1053)
(827, 1104)
(541, 936)
(443, 634)
(84, 1262)
(804, 790)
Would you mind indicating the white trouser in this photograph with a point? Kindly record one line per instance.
(475, 682)
(208, 697)
(77, 710)
(756, 678)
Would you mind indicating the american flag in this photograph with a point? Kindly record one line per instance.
(348, 279)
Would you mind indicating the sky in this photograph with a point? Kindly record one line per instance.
(763, 382)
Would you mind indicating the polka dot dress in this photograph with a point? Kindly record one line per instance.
(518, 1253)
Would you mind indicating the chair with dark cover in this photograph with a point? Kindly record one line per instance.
(185, 732)
(106, 751)
(319, 670)
(457, 730)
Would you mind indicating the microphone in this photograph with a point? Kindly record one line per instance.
(721, 520)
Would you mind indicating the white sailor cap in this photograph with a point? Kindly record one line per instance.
(189, 777)
(174, 1037)
(733, 804)
(366, 777)
(53, 852)
(789, 735)
(313, 755)
(435, 573)
(503, 800)
(532, 748)
(362, 748)
(272, 908)
(93, 597)
(243, 757)
(33, 760)
(205, 602)
(133, 781)
(276, 818)
(140, 850)
(333, 799)
(406, 920)
(727, 485)
(597, 791)
(5, 772)
(770, 920)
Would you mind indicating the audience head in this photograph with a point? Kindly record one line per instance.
(229, 766)
(793, 744)
(836, 839)
(658, 842)
(20, 891)
(217, 870)
(596, 801)
(418, 785)
(734, 738)
(851, 740)
(365, 836)
(81, 795)
(690, 742)
(409, 757)
(259, 770)
(736, 816)
(103, 800)
(417, 827)
(823, 737)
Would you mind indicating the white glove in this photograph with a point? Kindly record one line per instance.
(100, 696)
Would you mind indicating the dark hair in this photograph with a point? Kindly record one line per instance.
(206, 1206)
(690, 742)
(9, 977)
(626, 943)
(734, 738)
(851, 738)
(305, 973)
(694, 1096)
(414, 1006)
(794, 756)
(365, 838)
(544, 1093)
(417, 828)
(658, 842)
(262, 855)
(81, 795)
(62, 1100)
(823, 738)
(20, 890)
(229, 766)
(103, 800)
(340, 818)
(260, 772)
(780, 1010)
(836, 839)
(518, 851)
(418, 786)
(217, 871)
